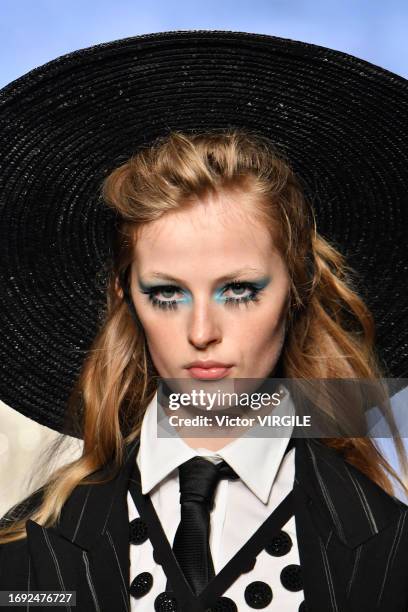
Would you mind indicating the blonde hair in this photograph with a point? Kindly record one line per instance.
(330, 329)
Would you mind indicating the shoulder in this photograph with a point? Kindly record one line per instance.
(23, 508)
(20, 510)
(94, 495)
(14, 556)
(353, 503)
(331, 464)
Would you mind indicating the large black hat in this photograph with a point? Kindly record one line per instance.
(342, 122)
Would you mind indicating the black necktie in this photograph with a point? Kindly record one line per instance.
(198, 481)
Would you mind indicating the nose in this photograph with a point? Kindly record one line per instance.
(204, 326)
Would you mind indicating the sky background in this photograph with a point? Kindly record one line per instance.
(35, 31)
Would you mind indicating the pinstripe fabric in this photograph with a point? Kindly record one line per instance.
(352, 538)
(90, 582)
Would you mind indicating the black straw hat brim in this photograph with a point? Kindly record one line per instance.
(342, 123)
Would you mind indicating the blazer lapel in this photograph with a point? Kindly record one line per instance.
(337, 510)
(88, 552)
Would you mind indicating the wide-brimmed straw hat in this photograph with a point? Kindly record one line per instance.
(341, 121)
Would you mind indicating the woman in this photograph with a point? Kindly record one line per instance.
(192, 209)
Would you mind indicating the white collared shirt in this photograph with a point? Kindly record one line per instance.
(266, 476)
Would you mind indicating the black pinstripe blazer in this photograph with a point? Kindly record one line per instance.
(352, 538)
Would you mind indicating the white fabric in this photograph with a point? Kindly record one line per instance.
(240, 507)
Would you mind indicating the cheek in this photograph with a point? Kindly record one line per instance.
(160, 331)
(266, 332)
(163, 336)
(162, 347)
(263, 325)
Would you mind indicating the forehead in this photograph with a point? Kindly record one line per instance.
(214, 230)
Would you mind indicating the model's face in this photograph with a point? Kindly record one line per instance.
(189, 309)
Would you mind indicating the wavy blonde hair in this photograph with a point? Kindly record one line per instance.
(330, 329)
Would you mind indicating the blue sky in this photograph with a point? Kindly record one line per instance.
(33, 32)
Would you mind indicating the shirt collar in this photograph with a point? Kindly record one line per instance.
(256, 460)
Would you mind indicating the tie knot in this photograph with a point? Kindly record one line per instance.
(199, 478)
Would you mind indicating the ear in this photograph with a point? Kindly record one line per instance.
(118, 289)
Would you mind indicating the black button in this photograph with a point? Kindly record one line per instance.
(291, 578)
(165, 602)
(223, 604)
(279, 545)
(302, 607)
(141, 584)
(138, 531)
(258, 594)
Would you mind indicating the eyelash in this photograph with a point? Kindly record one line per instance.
(234, 302)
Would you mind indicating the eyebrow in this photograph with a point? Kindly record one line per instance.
(224, 278)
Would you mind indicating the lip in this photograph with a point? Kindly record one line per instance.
(209, 363)
(208, 370)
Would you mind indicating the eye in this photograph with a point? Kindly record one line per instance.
(240, 293)
(238, 290)
(166, 293)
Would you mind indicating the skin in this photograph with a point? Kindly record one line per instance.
(198, 245)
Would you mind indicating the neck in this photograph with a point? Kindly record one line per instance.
(213, 444)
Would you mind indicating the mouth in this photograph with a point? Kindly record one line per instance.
(209, 370)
